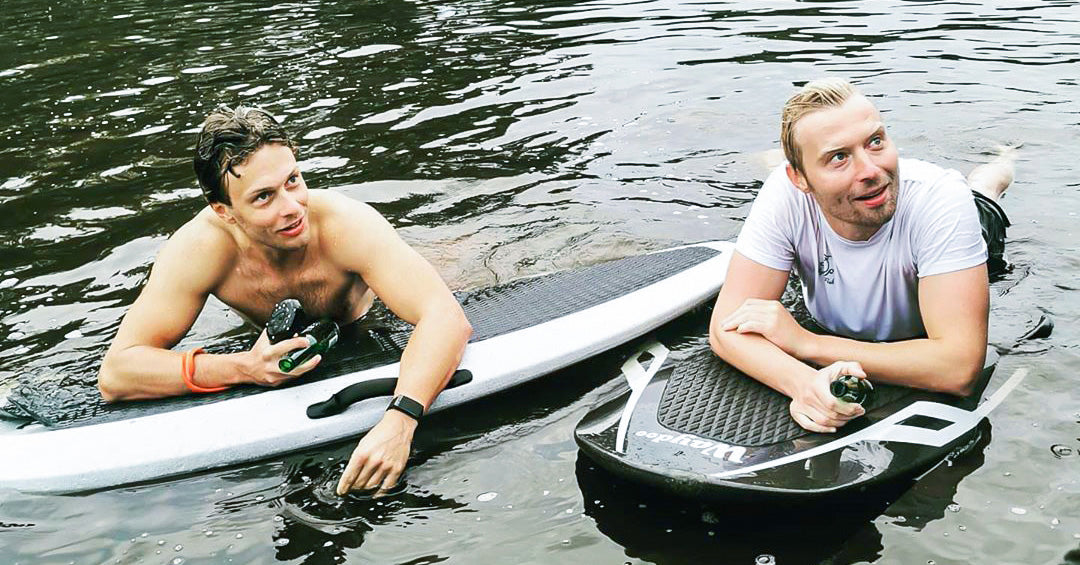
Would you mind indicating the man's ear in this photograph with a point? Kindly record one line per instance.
(223, 212)
(797, 178)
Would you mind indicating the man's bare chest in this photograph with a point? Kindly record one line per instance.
(254, 290)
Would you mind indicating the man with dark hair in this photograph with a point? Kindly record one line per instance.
(891, 254)
(265, 237)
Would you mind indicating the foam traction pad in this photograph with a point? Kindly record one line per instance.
(379, 338)
(707, 397)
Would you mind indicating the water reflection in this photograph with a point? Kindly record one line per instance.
(319, 526)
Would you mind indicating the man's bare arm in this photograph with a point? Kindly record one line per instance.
(748, 346)
(413, 290)
(139, 363)
(954, 308)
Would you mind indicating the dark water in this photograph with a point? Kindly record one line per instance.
(511, 138)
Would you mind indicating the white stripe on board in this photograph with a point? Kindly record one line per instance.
(638, 378)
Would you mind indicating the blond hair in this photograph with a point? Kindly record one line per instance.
(815, 95)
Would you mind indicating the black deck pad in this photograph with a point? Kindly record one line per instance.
(379, 338)
(709, 398)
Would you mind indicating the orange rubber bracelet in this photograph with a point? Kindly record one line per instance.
(187, 372)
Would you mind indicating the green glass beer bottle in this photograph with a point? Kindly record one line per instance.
(852, 389)
(321, 336)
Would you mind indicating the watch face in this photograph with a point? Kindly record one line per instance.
(408, 406)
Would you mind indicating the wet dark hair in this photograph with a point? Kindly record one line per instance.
(227, 139)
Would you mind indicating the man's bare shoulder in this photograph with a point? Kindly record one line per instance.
(334, 206)
(341, 216)
(350, 231)
(203, 248)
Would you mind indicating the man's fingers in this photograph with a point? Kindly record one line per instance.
(751, 326)
(364, 476)
(852, 368)
(376, 478)
(808, 423)
(349, 476)
(391, 479)
(282, 347)
(306, 366)
(733, 320)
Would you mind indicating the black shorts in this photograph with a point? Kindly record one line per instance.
(994, 221)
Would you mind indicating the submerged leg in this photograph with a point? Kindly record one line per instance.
(991, 179)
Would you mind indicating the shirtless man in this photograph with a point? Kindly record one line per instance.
(890, 253)
(265, 237)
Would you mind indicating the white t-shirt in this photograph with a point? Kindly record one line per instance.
(868, 290)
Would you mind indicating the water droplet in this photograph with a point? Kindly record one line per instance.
(281, 542)
(566, 542)
(259, 498)
(962, 528)
(161, 542)
(954, 507)
(449, 531)
(487, 496)
(279, 518)
(144, 535)
(547, 492)
(1007, 474)
(178, 548)
(239, 536)
(209, 533)
(764, 559)
(178, 561)
(710, 518)
(1055, 521)
(1018, 511)
(569, 510)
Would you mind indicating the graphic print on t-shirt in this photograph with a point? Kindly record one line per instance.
(825, 269)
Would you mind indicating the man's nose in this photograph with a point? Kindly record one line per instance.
(291, 206)
(865, 168)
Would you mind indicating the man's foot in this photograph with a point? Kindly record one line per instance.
(991, 179)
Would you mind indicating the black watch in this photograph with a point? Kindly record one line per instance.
(403, 403)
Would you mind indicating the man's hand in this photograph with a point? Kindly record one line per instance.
(380, 457)
(262, 367)
(770, 319)
(815, 408)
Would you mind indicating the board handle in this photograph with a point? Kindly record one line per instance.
(373, 388)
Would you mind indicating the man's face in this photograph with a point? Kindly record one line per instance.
(850, 167)
(269, 199)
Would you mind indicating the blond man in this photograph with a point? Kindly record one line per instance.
(891, 253)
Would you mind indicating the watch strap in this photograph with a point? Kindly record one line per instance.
(410, 407)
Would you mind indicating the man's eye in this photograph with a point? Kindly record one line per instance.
(877, 141)
(838, 157)
(294, 179)
(262, 196)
